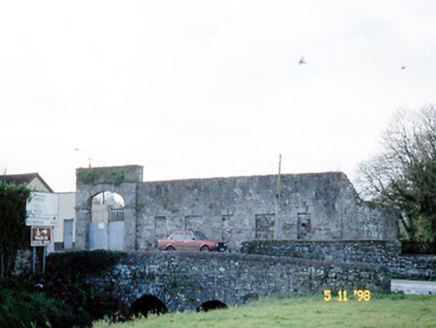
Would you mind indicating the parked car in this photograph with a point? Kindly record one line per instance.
(190, 241)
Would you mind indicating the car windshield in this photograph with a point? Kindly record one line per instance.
(199, 235)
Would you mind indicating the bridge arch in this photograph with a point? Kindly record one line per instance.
(148, 304)
(211, 305)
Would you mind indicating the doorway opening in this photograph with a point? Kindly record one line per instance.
(106, 229)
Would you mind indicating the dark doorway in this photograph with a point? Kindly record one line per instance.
(264, 226)
(212, 305)
(148, 304)
(304, 227)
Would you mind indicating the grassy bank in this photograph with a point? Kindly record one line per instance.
(394, 310)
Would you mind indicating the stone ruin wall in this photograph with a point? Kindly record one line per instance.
(321, 206)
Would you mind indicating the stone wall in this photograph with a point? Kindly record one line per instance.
(343, 251)
(384, 253)
(186, 280)
(321, 206)
(415, 266)
(310, 207)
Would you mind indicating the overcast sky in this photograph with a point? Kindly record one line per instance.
(194, 89)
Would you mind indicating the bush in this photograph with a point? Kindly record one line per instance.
(63, 298)
(416, 247)
(56, 304)
(67, 275)
(21, 305)
(79, 303)
(14, 235)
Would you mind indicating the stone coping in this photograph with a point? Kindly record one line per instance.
(252, 257)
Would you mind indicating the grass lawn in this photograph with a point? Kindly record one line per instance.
(388, 310)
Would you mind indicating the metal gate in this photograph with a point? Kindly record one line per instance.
(116, 235)
(106, 236)
(98, 235)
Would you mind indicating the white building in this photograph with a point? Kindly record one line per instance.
(64, 232)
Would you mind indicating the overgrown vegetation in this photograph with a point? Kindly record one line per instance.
(63, 298)
(388, 310)
(418, 247)
(52, 303)
(23, 304)
(110, 175)
(402, 176)
(81, 303)
(14, 235)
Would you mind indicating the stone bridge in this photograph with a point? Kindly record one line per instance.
(176, 281)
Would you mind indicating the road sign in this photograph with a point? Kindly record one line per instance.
(40, 236)
(42, 209)
(41, 221)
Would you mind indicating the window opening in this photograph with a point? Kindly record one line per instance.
(265, 226)
(304, 226)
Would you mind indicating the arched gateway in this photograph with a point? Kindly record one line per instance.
(115, 182)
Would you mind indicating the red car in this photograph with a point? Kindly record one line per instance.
(190, 241)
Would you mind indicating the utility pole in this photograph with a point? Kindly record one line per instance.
(276, 207)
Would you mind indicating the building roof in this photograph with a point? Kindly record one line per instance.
(24, 179)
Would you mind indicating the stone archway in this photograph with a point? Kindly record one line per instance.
(121, 180)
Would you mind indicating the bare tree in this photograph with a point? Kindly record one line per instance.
(403, 175)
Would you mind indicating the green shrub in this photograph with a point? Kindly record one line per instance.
(14, 235)
(64, 298)
(418, 247)
(81, 303)
(21, 305)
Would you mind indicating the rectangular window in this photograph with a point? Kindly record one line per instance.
(193, 222)
(226, 227)
(304, 226)
(264, 226)
(160, 227)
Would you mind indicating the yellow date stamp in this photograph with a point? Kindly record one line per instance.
(343, 295)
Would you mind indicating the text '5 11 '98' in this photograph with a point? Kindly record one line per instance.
(343, 295)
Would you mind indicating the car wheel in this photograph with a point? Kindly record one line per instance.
(171, 248)
(205, 249)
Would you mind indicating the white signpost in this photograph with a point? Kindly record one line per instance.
(42, 209)
(42, 213)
